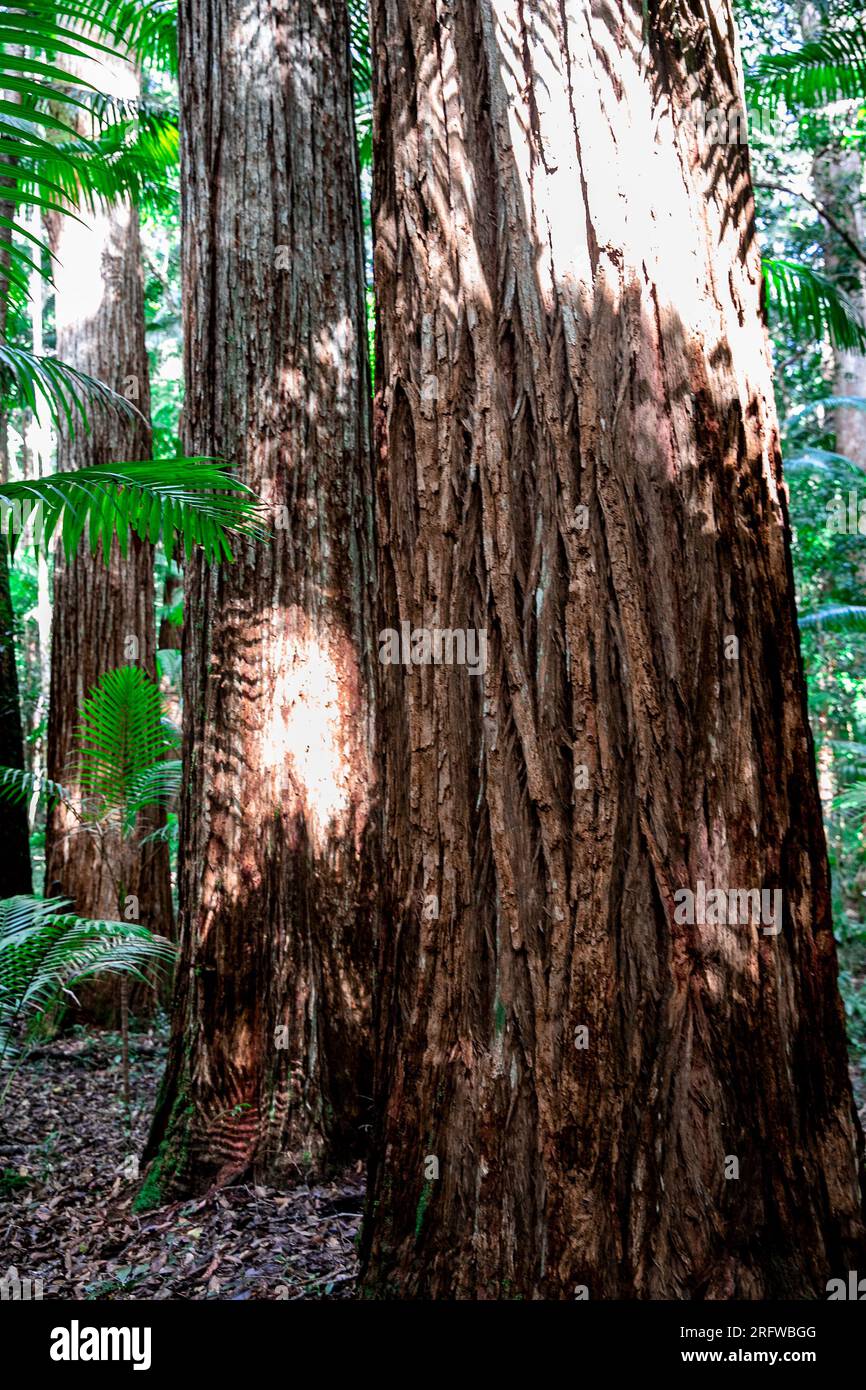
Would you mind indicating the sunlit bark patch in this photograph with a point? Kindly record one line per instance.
(310, 736)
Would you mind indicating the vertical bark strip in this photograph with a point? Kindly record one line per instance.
(15, 871)
(270, 1065)
(837, 174)
(569, 316)
(100, 610)
(16, 875)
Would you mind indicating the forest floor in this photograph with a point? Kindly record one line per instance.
(68, 1177)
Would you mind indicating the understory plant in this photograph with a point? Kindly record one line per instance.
(47, 952)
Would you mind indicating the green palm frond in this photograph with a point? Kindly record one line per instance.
(837, 617)
(811, 305)
(146, 30)
(848, 748)
(853, 798)
(196, 501)
(17, 785)
(158, 785)
(825, 403)
(36, 106)
(832, 68)
(47, 951)
(813, 460)
(129, 158)
(124, 766)
(30, 378)
(45, 161)
(124, 745)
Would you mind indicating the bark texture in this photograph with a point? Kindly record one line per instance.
(15, 871)
(103, 613)
(270, 1066)
(569, 317)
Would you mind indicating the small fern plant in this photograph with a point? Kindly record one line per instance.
(125, 762)
(46, 951)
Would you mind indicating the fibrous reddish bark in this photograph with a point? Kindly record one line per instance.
(103, 613)
(270, 1065)
(578, 453)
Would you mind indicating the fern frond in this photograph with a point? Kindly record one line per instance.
(123, 742)
(811, 305)
(17, 785)
(46, 951)
(67, 392)
(818, 73)
(837, 617)
(196, 501)
(813, 460)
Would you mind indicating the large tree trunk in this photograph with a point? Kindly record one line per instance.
(569, 299)
(270, 1065)
(104, 614)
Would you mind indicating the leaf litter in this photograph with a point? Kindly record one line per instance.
(69, 1175)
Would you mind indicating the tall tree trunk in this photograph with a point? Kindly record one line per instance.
(104, 614)
(569, 306)
(270, 1064)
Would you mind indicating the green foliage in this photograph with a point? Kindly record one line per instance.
(38, 105)
(194, 500)
(47, 951)
(17, 785)
(838, 617)
(812, 305)
(133, 155)
(814, 74)
(811, 460)
(29, 377)
(126, 755)
(147, 29)
(362, 79)
(125, 746)
(47, 162)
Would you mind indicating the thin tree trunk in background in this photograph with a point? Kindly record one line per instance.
(37, 461)
(270, 1062)
(838, 178)
(15, 871)
(104, 614)
(170, 634)
(577, 1092)
(850, 380)
(16, 874)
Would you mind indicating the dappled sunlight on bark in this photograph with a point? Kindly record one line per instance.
(580, 455)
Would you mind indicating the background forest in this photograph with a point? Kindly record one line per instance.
(96, 684)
